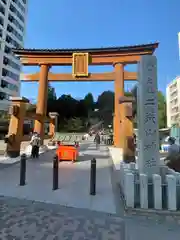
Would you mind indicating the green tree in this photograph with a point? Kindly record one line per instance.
(105, 101)
(89, 101)
(74, 124)
(105, 105)
(161, 110)
(51, 93)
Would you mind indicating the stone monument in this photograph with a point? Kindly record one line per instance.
(147, 104)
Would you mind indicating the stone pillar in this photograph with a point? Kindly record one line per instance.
(53, 125)
(157, 190)
(171, 192)
(143, 179)
(129, 190)
(15, 133)
(129, 148)
(42, 101)
(148, 134)
(118, 109)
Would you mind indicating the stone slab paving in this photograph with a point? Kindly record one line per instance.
(140, 227)
(21, 219)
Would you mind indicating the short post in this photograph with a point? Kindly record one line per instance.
(171, 192)
(23, 170)
(93, 177)
(55, 172)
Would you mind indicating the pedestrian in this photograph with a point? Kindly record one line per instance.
(173, 158)
(35, 143)
(97, 140)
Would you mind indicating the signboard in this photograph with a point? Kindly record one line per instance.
(80, 64)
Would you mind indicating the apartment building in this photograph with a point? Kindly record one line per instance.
(173, 102)
(13, 15)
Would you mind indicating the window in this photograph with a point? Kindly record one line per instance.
(11, 63)
(4, 72)
(4, 1)
(5, 61)
(14, 10)
(4, 84)
(2, 9)
(4, 96)
(14, 32)
(17, 2)
(15, 22)
(7, 73)
(7, 49)
(1, 21)
(13, 42)
(8, 39)
(10, 86)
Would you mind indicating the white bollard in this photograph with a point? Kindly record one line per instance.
(129, 189)
(121, 172)
(143, 191)
(178, 178)
(157, 190)
(171, 192)
(124, 179)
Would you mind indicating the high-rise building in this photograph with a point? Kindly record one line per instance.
(13, 15)
(173, 102)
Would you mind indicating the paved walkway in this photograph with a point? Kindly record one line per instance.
(74, 181)
(71, 213)
(140, 227)
(23, 218)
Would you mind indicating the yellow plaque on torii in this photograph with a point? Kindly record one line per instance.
(80, 65)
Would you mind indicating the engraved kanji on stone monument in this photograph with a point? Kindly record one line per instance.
(148, 130)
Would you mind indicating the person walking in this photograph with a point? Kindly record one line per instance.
(97, 140)
(35, 143)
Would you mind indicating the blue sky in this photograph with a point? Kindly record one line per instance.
(103, 23)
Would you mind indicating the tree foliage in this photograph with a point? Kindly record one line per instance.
(161, 110)
(75, 115)
(89, 101)
(74, 124)
(51, 93)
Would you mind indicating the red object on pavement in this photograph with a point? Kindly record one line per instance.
(67, 152)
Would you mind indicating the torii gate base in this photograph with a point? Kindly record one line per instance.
(15, 133)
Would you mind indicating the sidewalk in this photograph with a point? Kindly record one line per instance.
(74, 181)
(71, 213)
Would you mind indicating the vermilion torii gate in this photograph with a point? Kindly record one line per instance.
(80, 59)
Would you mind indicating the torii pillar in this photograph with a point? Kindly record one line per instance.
(118, 108)
(42, 100)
